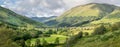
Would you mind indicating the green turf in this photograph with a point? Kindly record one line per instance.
(51, 39)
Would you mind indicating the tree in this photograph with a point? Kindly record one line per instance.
(57, 40)
(6, 36)
(99, 30)
(80, 34)
(72, 39)
(38, 33)
(67, 43)
(26, 36)
(37, 43)
(22, 42)
(116, 26)
(49, 32)
(28, 43)
(86, 33)
(44, 42)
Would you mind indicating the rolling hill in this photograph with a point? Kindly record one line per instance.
(11, 18)
(85, 14)
(43, 19)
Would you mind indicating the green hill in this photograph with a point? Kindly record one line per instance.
(110, 18)
(85, 14)
(11, 18)
(110, 39)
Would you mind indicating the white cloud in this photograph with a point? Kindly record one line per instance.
(47, 8)
(73, 3)
(114, 2)
(34, 7)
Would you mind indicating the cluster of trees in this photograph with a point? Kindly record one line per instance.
(20, 34)
(115, 26)
(39, 43)
(6, 36)
(71, 40)
(99, 30)
(23, 37)
(103, 28)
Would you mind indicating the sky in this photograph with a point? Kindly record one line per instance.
(47, 8)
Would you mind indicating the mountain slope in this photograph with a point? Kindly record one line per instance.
(11, 18)
(110, 39)
(92, 9)
(43, 19)
(110, 18)
(85, 14)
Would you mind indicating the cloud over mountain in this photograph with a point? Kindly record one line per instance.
(47, 8)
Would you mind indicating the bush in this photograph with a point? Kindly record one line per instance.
(116, 26)
(99, 30)
(57, 40)
(6, 36)
(28, 43)
(71, 40)
(44, 42)
(80, 34)
(46, 35)
(86, 33)
(37, 43)
(26, 36)
(49, 32)
(21, 43)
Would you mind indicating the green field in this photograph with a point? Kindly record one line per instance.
(50, 39)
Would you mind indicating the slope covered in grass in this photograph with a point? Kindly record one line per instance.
(110, 18)
(84, 14)
(110, 39)
(9, 17)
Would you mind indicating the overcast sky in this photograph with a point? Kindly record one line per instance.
(46, 8)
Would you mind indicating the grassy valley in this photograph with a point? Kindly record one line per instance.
(90, 25)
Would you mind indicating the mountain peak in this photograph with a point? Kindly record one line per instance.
(86, 13)
(92, 9)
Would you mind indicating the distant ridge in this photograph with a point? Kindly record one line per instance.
(85, 14)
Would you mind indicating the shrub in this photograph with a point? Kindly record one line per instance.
(86, 33)
(28, 43)
(57, 40)
(6, 36)
(116, 26)
(46, 35)
(22, 43)
(71, 40)
(49, 32)
(80, 34)
(27, 36)
(44, 42)
(99, 30)
(37, 43)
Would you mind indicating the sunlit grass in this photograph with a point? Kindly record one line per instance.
(50, 39)
(106, 21)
